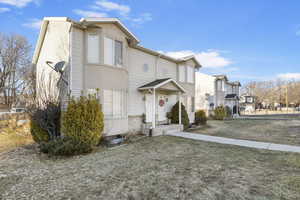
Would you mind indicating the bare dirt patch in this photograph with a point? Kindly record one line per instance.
(153, 168)
(275, 131)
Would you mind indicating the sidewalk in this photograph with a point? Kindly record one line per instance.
(243, 143)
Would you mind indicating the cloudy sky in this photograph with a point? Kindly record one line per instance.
(247, 40)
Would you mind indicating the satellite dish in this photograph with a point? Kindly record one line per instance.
(60, 66)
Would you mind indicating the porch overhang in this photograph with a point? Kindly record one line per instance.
(160, 83)
(232, 97)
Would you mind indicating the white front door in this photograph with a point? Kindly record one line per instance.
(161, 107)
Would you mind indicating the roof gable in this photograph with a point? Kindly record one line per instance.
(159, 83)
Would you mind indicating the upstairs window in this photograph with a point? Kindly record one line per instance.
(93, 48)
(190, 74)
(118, 53)
(182, 73)
(113, 52)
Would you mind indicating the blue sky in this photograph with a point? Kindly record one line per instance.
(247, 40)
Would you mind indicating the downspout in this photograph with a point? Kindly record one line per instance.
(70, 59)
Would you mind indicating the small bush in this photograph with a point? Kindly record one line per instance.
(228, 111)
(200, 117)
(45, 122)
(220, 113)
(184, 116)
(38, 134)
(65, 147)
(83, 120)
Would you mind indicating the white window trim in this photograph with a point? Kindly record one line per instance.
(180, 78)
(87, 47)
(113, 64)
(123, 100)
(190, 74)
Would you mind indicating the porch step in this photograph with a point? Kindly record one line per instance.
(166, 129)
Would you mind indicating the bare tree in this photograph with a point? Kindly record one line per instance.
(14, 66)
(277, 92)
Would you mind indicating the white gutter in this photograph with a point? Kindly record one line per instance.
(40, 41)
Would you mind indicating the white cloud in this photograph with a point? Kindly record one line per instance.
(142, 18)
(289, 76)
(3, 10)
(33, 23)
(112, 6)
(298, 33)
(87, 13)
(208, 59)
(18, 3)
(114, 9)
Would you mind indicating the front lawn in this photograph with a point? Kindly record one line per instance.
(275, 131)
(161, 167)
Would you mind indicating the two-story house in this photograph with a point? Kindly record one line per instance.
(102, 56)
(214, 91)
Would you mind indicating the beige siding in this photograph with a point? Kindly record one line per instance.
(205, 91)
(108, 77)
(139, 74)
(166, 69)
(77, 62)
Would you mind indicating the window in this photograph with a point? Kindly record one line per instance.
(118, 53)
(190, 74)
(181, 73)
(108, 103)
(108, 51)
(114, 104)
(113, 52)
(93, 48)
(92, 92)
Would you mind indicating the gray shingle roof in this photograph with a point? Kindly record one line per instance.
(154, 83)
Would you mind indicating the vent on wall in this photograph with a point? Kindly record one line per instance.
(145, 67)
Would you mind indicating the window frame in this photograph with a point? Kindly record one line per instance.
(115, 54)
(184, 73)
(122, 113)
(113, 62)
(88, 33)
(190, 74)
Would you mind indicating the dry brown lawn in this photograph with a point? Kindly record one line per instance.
(13, 136)
(161, 167)
(275, 131)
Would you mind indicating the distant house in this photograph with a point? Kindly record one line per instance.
(248, 102)
(136, 85)
(214, 91)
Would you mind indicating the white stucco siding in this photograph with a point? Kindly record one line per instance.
(55, 48)
(77, 53)
(141, 71)
(205, 91)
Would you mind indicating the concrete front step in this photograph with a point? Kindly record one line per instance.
(165, 129)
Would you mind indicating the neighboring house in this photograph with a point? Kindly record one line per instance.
(247, 102)
(214, 91)
(135, 84)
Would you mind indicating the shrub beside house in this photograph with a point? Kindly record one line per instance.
(82, 127)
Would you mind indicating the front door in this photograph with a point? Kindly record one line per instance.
(161, 107)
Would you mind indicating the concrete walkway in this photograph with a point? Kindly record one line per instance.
(243, 143)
